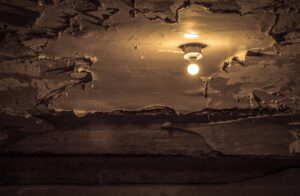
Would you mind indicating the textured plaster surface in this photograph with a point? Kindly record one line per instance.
(95, 92)
(107, 55)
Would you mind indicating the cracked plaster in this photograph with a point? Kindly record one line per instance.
(129, 49)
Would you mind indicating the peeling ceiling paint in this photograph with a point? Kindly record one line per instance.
(101, 55)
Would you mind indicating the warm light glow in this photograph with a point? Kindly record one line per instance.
(191, 35)
(193, 69)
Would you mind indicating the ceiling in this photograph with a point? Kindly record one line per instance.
(103, 55)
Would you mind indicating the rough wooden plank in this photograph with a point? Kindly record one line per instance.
(110, 142)
(94, 170)
(249, 136)
(152, 190)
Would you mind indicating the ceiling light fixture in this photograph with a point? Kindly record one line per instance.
(192, 53)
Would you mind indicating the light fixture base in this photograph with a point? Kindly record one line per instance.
(192, 51)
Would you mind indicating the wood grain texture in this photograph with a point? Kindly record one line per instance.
(95, 170)
(263, 135)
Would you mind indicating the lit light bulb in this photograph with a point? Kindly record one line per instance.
(191, 35)
(193, 69)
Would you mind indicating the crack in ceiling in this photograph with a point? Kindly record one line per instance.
(128, 52)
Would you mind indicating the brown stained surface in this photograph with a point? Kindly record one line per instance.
(128, 56)
(152, 132)
(95, 92)
(155, 190)
(91, 56)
